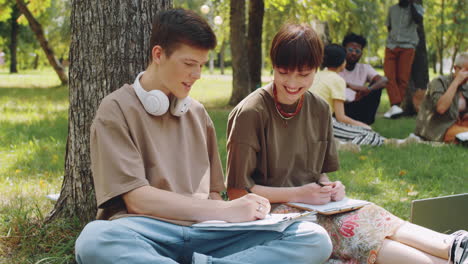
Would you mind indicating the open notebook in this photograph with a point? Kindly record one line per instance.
(347, 204)
(272, 222)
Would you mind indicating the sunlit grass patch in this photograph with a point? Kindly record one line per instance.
(29, 78)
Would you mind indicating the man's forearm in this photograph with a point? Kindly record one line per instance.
(148, 200)
(446, 99)
(378, 83)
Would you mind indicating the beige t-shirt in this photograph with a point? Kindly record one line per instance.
(131, 148)
(265, 149)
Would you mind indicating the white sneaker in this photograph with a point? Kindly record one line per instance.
(394, 112)
(458, 252)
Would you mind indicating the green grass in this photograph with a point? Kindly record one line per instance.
(33, 132)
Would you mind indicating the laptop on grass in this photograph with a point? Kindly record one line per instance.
(445, 214)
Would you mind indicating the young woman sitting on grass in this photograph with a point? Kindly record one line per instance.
(280, 146)
(331, 87)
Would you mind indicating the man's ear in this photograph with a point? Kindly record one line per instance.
(157, 53)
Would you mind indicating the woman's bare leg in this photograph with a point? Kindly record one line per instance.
(393, 252)
(424, 239)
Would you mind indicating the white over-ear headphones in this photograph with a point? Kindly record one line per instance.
(156, 102)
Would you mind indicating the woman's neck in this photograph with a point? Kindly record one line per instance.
(334, 69)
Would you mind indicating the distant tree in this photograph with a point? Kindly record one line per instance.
(241, 86)
(14, 38)
(109, 46)
(36, 27)
(254, 41)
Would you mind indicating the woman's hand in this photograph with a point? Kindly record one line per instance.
(338, 190)
(313, 193)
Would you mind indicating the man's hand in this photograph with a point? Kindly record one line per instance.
(462, 77)
(247, 208)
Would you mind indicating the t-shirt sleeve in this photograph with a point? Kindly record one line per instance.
(370, 73)
(216, 169)
(242, 148)
(436, 89)
(337, 88)
(116, 163)
(241, 161)
(330, 162)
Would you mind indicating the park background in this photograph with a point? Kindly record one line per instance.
(38, 106)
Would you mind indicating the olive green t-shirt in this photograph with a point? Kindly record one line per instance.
(265, 149)
(131, 148)
(431, 125)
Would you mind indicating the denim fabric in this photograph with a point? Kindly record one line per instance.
(146, 240)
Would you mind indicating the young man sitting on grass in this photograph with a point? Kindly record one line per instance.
(157, 172)
(444, 111)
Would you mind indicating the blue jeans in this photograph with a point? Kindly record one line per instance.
(146, 240)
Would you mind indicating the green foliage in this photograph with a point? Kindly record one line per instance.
(54, 16)
(33, 133)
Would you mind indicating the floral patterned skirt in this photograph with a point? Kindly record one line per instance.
(358, 235)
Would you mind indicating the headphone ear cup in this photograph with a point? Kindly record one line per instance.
(156, 103)
(180, 106)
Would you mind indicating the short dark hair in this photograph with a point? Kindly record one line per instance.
(351, 37)
(179, 26)
(296, 46)
(334, 56)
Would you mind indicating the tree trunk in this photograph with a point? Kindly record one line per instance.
(109, 46)
(221, 57)
(254, 42)
(14, 39)
(419, 74)
(37, 29)
(240, 63)
(35, 64)
(442, 45)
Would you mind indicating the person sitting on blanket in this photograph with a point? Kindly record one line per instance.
(280, 144)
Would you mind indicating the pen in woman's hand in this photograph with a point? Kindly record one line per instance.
(320, 184)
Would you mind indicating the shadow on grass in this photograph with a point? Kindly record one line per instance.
(54, 128)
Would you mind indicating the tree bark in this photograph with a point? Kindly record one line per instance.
(109, 45)
(419, 74)
(240, 63)
(254, 42)
(36, 27)
(14, 39)
(221, 57)
(442, 44)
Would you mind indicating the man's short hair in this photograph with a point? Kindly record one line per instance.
(461, 59)
(179, 26)
(352, 37)
(296, 46)
(334, 56)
